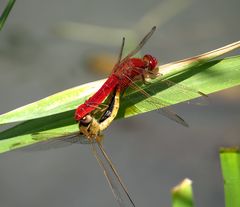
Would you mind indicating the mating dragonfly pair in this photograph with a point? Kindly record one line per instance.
(97, 113)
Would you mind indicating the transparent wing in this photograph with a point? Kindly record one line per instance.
(121, 51)
(49, 141)
(141, 44)
(159, 105)
(184, 88)
(115, 182)
(181, 87)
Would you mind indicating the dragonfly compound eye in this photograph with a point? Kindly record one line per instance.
(85, 121)
(150, 61)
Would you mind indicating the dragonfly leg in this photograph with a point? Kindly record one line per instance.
(99, 138)
(100, 110)
(154, 74)
(144, 80)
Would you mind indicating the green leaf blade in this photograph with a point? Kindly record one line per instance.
(54, 104)
(210, 77)
(182, 194)
(6, 12)
(72, 98)
(230, 163)
(214, 76)
(57, 111)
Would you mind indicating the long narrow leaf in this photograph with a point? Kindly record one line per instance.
(210, 77)
(6, 12)
(55, 113)
(184, 69)
(230, 163)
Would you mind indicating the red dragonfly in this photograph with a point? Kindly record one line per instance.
(125, 73)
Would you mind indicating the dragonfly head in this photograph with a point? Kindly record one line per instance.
(151, 62)
(85, 121)
(89, 127)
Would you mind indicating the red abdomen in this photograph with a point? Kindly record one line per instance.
(97, 98)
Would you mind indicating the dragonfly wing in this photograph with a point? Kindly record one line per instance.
(141, 44)
(164, 109)
(160, 105)
(49, 141)
(182, 88)
(114, 180)
(188, 92)
(121, 51)
(173, 116)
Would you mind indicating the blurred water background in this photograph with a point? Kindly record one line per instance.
(38, 58)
